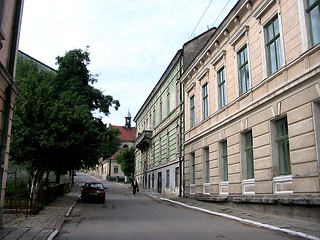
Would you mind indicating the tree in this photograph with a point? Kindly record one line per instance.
(126, 160)
(110, 142)
(53, 126)
(73, 74)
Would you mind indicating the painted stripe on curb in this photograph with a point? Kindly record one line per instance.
(250, 222)
(70, 209)
(53, 234)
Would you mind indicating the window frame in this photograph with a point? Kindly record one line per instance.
(161, 111)
(243, 65)
(168, 178)
(177, 177)
(168, 102)
(193, 168)
(222, 89)
(309, 7)
(248, 153)
(282, 146)
(205, 101)
(192, 106)
(206, 164)
(273, 43)
(224, 160)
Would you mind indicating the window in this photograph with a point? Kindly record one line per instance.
(168, 178)
(222, 88)
(153, 152)
(205, 101)
(168, 146)
(273, 45)
(193, 168)
(313, 13)
(160, 112)
(282, 141)
(243, 70)
(177, 177)
(206, 165)
(160, 150)
(192, 112)
(249, 155)
(224, 161)
(2, 3)
(168, 102)
(150, 121)
(115, 169)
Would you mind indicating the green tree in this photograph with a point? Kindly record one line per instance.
(110, 142)
(73, 74)
(53, 126)
(126, 160)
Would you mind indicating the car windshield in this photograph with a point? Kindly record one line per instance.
(94, 185)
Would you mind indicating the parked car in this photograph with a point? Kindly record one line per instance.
(93, 191)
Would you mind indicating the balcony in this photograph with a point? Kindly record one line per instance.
(144, 140)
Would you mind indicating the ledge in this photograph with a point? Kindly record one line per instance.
(209, 198)
(309, 200)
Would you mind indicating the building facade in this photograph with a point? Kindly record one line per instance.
(252, 107)
(10, 22)
(109, 169)
(160, 126)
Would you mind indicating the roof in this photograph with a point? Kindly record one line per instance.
(116, 153)
(126, 134)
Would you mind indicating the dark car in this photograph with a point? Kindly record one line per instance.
(93, 191)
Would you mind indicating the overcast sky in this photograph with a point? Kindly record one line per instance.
(131, 42)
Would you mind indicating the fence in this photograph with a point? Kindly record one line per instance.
(29, 205)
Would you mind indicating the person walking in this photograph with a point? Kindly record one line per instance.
(135, 187)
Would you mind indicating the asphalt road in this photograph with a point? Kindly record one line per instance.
(124, 216)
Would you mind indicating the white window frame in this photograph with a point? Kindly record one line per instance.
(265, 64)
(205, 101)
(220, 106)
(245, 46)
(192, 111)
(305, 31)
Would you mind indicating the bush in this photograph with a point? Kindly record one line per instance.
(21, 189)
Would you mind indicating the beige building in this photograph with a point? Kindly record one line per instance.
(252, 108)
(10, 21)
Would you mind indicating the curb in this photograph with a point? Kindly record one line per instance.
(242, 220)
(56, 231)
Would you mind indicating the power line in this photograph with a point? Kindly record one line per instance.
(200, 19)
(220, 13)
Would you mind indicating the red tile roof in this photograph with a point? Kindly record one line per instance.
(126, 134)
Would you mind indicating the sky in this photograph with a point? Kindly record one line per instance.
(131, 42)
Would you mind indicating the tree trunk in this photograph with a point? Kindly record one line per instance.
(36, 178)
(58, 176)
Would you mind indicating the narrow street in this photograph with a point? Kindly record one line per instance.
(124, 216)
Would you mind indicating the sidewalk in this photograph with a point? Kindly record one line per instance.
(291, 226)
(48, 222)
(44, 225)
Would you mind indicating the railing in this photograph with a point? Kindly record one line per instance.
(30, 205)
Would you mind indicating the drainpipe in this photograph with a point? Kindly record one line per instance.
(181, 133)
(8, 92)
